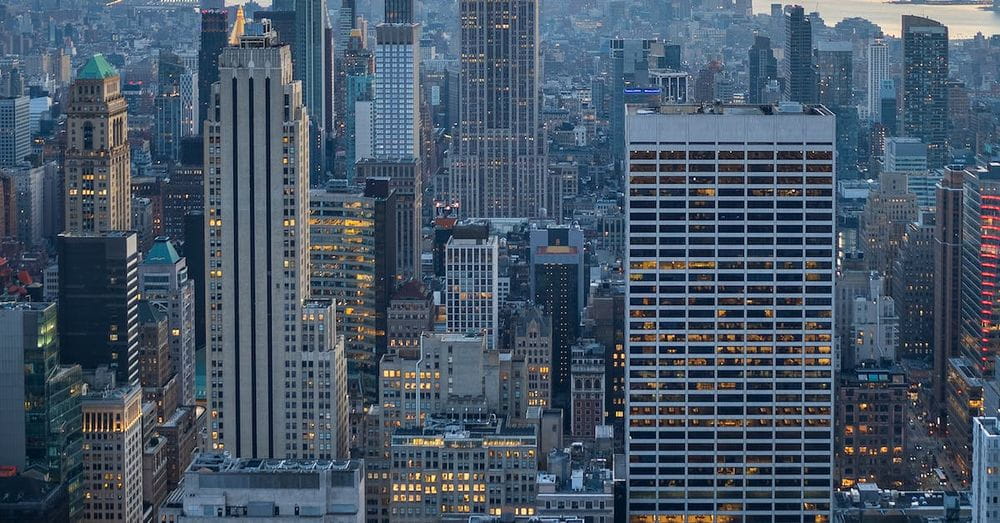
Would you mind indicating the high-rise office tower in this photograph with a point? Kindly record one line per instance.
(257, 254)
(15, 135)
(39, 399)
(98, 168)
(164, 282)
(924, 111)
(948, 231)
(168, 128)
(98, 297)
(629, 70)
(113, 443)
(835, 69)
(404, 179)
(763, 68)
(397, 125)
(349, 256)
(980, 308)
(799, 70)
(472, 282)
(913, 288)
(878, 71)
(500, 167)
(309, 54)
(556, 279)
(729, 312)
(213, 38)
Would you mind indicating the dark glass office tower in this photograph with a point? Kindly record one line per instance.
(557, 286)
(763, 68)
(924, 112)
(800, 71)
(98, 302)
(213, 39)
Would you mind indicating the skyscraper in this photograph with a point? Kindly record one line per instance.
(39, 399)
(729, 312)
(213, 38)
(557, 285)
(878, 71)
(763, 68)
(500, 168)
(472, 282)
(629, 70)
(404, 179)
(98, 169)
(835, 69)
(15, 135)
(164, 283)
(799, 69)
(112, 441)
(257, 255)
(347, 261)
(948, 231)
(397, 125)
(98, 297)
(309, 56)
(924, 112)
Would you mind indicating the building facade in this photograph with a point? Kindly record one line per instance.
(112, 456)
(730, 286)
(472, 292)
(257, 254)
(219, 487)
(98, 165)
(499, 171)
(924, 109)
(164, 281)
(99, 314)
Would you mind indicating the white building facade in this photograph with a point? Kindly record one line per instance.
(472, 293)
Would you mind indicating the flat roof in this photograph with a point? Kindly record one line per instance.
(783, 109)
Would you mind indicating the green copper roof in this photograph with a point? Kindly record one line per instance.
(97, 68)
(162, 251)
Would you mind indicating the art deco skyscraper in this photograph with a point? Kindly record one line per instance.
(257, 257)
(729, 320)
(499, 170)
(924, 111)
(98, 169)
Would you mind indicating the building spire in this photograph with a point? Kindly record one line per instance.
(238, 27)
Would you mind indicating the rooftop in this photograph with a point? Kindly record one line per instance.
(990, 425)
(718, 109)
(214, 462)
(97, 68)
(163, 251)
